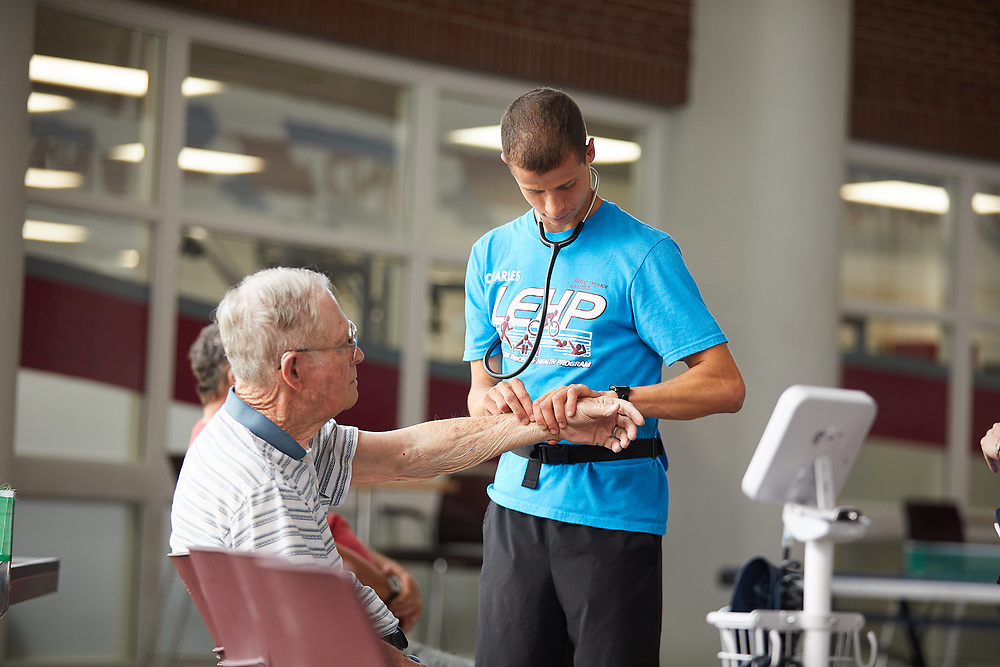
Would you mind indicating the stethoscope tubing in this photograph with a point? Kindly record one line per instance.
(556, 246)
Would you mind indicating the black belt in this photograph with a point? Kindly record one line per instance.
(542, 452)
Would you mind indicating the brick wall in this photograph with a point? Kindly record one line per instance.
(926, 74)
(636, 49)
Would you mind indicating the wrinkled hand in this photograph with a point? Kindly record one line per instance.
(509, 396)
(604, 421)
(552, 408)
(989, 443)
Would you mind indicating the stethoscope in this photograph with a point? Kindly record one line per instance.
(556, 246)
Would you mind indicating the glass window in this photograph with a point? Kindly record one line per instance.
(886, 473)
(619, 160)
(904, 366)
(370, 290)
(897, 240)
(91, 616)
(985, 412)
(986, 204)
(475, 189)
(294, 144)
(448, 381)
(83, 341)
(93, 107)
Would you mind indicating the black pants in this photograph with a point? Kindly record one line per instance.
(554, 593)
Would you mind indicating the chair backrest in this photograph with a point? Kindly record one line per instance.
(933, 521)
(182, 563)
(230, 607)
(315, 618)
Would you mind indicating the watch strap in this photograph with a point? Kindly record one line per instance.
(622, 390)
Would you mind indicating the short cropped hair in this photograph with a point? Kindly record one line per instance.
(209, 364)
(267, 313)
(540, 128)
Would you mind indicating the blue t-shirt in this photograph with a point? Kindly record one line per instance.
(622, 303)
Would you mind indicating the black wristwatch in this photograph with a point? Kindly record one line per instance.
(623, 390)
(397, 639)
(395, 587)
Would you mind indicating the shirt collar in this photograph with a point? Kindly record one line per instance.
(262, 427)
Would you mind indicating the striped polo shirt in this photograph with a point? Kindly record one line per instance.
(246, 485)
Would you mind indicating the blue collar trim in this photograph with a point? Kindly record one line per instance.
(262, 427)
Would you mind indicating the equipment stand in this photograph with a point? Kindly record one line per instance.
(819, 528)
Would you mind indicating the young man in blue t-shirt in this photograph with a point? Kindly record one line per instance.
(572, 570)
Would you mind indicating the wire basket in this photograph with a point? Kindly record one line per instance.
(774, 637)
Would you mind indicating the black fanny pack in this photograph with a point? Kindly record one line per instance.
(542, 452)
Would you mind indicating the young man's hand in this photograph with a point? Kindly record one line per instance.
(508, 396)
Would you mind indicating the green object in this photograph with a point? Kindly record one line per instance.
(952, 561)
(8, 497)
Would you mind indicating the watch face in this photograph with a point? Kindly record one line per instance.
(395, 585)
(622, 391)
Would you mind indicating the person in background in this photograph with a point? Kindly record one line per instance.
(991, 447)
(572, 573)
(212, 374)
(264, 471)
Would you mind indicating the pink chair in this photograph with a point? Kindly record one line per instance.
(182, 563)
(315, 618)
(230, 608)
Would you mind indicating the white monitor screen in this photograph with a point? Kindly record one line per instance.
(808, 423)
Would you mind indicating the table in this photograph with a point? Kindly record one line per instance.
(901, 591)
(877, 587)
(32, 577)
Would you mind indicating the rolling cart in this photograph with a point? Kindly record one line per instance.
(802, 461)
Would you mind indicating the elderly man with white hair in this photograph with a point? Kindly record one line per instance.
(265, 469)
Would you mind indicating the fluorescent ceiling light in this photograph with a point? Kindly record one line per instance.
(217, 162)
(54, 232)
(195, 87)
(609, 151)
(985, 204)
(90, 76)
(52, 179)
(45, 103)
(615, 151)
(487, 137)
(129, 259)
(898, 194)
(134, 153)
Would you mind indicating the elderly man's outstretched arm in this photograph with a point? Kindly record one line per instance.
(449, 445)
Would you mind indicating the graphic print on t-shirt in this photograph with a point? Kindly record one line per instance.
(564, 343)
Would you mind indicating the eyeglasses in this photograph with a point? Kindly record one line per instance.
(352, 342)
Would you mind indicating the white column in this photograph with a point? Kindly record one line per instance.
(756, 161)
(16, 38)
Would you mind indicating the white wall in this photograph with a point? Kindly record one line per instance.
(755, 164)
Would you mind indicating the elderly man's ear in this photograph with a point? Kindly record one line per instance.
(289, 370)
